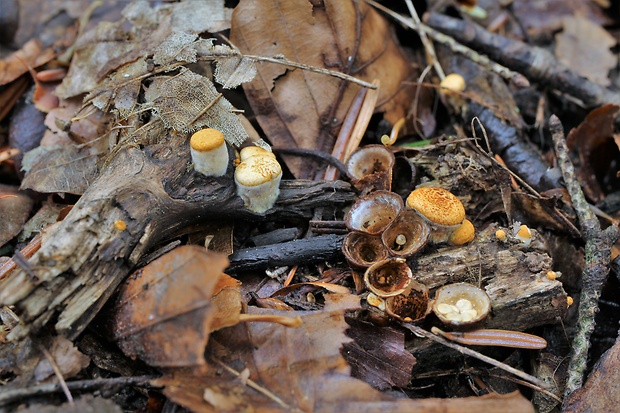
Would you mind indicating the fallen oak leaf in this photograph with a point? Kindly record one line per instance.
(166, 311)
(163, 313)
(297, 370)
(297, 108)
(594, 140)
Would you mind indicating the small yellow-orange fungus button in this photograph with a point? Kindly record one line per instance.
(120, 225)
(437, 205)
(463, 234)
(453, 82)
(569, 300)
(500, 234)
(552, 275)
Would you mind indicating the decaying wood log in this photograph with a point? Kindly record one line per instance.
(155, 192)
(514, 277)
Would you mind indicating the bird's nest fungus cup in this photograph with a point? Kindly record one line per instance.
(388, 278)
(461, 306)
(406, 235)
(374, 212)
(362, 250)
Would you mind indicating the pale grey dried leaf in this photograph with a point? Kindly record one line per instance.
(188, 102)
(199, 16)
(139, 13)
(61, 168)
(94, 50)
(583, 42)
(120, 89)
(234, 71)
(69, 359)
(179, 47)
(15, 208)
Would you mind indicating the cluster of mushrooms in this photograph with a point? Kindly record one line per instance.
(384, 232)
(257, 176)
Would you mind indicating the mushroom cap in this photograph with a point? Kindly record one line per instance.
(206, 140)
(250, 151)
(437, 205)
(453, 82)
(257, 170)
(463, 234)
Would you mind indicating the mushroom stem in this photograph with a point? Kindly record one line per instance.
(269, 318)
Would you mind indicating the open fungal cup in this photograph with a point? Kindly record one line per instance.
(388, 278)
(461, 305)
(372, 166)
(362, 250)
(406, 235)
(410, 306)
(374, 212)
(209, 152)
(258, 182)
(442, 209)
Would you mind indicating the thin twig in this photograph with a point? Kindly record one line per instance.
(469, 352)
(61, 379)
(14, 395)
(517, 78)
(428, 45)
(598, 258)
(327, 158)
(251, 383)
(205, 109)
(283, 61)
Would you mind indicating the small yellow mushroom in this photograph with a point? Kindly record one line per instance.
(209, 152)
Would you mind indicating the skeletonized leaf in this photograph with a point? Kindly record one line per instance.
(232, 72)
(176, 47)
(188, 101)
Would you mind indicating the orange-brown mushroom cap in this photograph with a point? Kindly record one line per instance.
(463, 234)
(206, 140)
(437, 205)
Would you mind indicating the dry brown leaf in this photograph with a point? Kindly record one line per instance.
(378, 355)
(581, 44)
(32, 54)
(302, 370)
(15, 209)
(68, 358)
(61, 168)
(601, 393)
(297, 108)
(541, 17)
(163, 313)
(594, 140)
(162, 31)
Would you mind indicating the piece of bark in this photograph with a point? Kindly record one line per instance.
(156, 193)
(305, 250)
